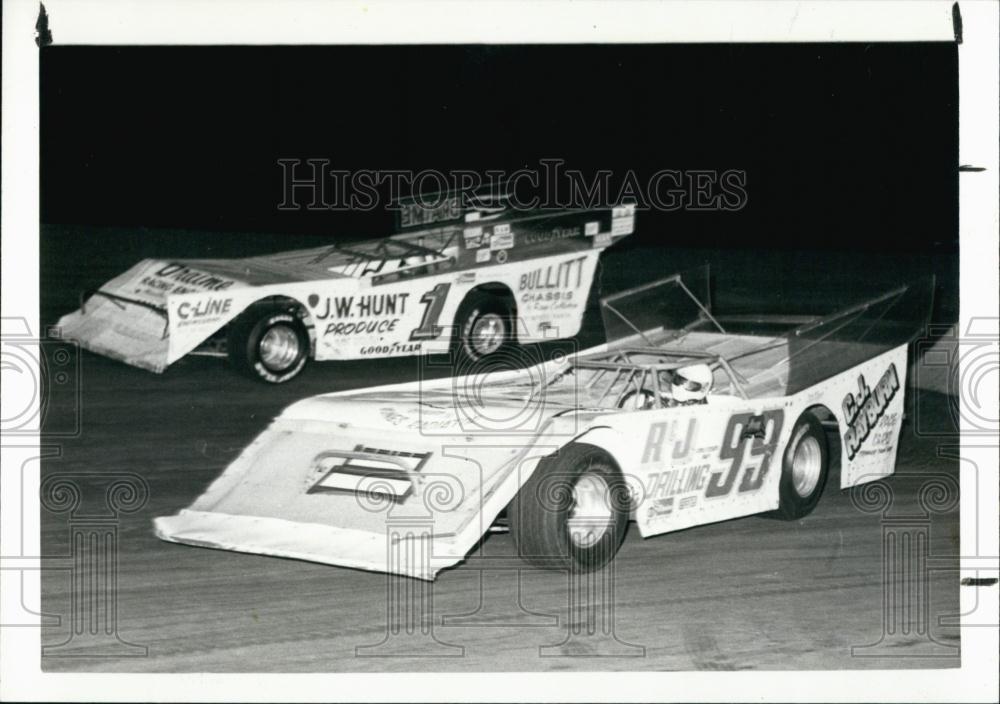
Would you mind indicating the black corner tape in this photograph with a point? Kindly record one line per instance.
(43, 36)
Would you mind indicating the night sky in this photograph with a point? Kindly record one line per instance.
(850, 146)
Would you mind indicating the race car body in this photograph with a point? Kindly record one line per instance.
(477, 278)
(407, 478)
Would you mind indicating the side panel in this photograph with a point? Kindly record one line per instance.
(697, 464)
(418, 316)
(354, 319)
(868, 403)
(552, 294)
(362, 321)
(701, 464)
(194, 317)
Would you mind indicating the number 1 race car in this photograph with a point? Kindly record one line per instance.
(675, 422)
(454, 276)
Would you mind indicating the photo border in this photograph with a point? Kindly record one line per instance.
(157, 22)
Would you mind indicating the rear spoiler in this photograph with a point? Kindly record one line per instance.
(447, 207)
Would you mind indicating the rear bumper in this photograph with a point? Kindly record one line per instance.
(410, 550)
(139, 342)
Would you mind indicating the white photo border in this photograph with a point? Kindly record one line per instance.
(249, 22)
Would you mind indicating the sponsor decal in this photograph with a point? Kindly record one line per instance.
(592, 228)
(622, 220)
(602, 240)
(474, 237)
(687, 502)
(428, 418)
(564, 275)
(501, 240)
(334, 472)
(187, 276)
(678, 481)
(863, 409)
(674, 437)
(394, 348)
(371, 314)
(758, 431)
(883, 440)
(372, 305)
(361, 327)
(502, 256)
(547, 299)
(557, 233)
(661, 508)
(379, 313)
(483, 256)
(622, 226)
(192, 312)
(416, 213)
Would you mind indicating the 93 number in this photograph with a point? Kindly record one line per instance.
(762, 432)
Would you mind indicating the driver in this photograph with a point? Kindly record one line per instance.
(686, 386)
(689, 385)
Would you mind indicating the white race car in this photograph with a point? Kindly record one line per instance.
(674, 423)
(456, 276)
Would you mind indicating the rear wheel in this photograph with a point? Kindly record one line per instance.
(484, 326)
(268, 343)
(572, 512)
(804, 468)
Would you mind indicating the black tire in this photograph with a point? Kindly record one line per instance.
(800, 491)
(477, 306)
(539, 514)
(246, 334)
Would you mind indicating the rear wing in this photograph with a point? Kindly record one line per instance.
(677, 308)
(659, 311)
(424, 210)
(834, 343)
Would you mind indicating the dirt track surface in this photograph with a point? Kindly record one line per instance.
(750, 593)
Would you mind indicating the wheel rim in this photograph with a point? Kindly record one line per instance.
(591, 515)
(487, 334)
(279, 348)
(807, 463)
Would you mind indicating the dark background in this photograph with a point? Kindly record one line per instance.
(851, 159)
(850, 150)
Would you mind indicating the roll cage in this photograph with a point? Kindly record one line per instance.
(370, 258)
(615, 375)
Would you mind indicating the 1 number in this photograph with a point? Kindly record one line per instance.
(433, 301)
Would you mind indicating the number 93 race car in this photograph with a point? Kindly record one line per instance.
(453, 276)
(673, 423)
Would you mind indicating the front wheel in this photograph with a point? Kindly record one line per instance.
(804, 468)
(572, 512)
(268, 344)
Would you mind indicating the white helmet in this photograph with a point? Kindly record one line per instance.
(691, 383)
